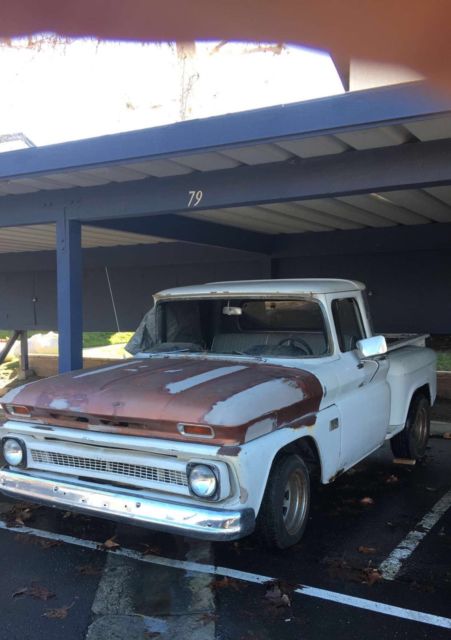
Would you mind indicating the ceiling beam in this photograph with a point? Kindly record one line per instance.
(179, 228)
(398, 239)
(409, 166)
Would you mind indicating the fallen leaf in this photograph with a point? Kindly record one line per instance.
(392, 479)
(367, 501)
(19, 514)
(110, 544)
(366, 550)
(371, 575)
(89, 570)
(226, 582)
(59, 613)
(39, 592)
(276, 596)
(152, 634)
(151, 550)
(447, 435)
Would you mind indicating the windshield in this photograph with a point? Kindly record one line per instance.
(256, 327)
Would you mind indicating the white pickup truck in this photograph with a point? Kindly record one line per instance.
(238, 395)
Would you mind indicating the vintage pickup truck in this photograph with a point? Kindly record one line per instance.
(239, 395)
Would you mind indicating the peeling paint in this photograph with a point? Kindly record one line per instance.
(59, 403)
(208, 376)
(260, 428)
(244, 495)
(229, 451)
(254, 402)
(231, 398)
(100, 371)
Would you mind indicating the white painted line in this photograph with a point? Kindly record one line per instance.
(392, 565)
(187, 565)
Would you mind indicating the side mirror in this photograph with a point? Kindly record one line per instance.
(370, 347)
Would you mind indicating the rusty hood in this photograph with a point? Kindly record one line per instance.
(152, 396)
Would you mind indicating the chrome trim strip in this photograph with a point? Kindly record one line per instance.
(195, 521)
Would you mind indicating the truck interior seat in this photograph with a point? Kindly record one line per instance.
(241, 342)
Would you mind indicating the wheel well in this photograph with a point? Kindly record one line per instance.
(306, 448)
(422, 391)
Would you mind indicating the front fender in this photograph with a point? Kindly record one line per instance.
(252, 464)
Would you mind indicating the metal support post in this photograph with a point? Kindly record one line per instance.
(69, 293)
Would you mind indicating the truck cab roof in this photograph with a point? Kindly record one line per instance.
(239, 288)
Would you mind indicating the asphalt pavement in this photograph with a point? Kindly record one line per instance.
(73, 577)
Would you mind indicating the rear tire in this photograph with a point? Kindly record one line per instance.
(412, 441)
(285, 507)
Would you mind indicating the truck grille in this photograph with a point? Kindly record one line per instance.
(124, 469)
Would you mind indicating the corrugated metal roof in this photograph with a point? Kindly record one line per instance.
(42, 237)
(257, 154)
(158, 154)
(328, 214)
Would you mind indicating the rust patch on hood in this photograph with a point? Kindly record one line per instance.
(151, 397)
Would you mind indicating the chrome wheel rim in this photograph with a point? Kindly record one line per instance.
(420, 431)
(294, 504)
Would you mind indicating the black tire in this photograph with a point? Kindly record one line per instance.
(285, 507)
(412, 441)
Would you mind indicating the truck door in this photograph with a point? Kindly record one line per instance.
(364, 396)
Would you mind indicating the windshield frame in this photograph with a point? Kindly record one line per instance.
(159, 301)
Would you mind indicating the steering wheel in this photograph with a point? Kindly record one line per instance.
(297, 343)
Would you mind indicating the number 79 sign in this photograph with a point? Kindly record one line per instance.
(194, 198)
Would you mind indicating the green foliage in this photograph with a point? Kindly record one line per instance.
(103, 338)
(444, 360)
(90, 338)
(121, 337)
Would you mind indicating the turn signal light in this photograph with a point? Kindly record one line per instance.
(18, 410)
(195, 430)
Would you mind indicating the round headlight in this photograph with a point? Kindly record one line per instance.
(12, 452)
(202, 481)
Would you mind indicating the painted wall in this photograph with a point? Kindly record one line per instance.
(407, 270)
(28, 282)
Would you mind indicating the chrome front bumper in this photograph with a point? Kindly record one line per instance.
(195, 521)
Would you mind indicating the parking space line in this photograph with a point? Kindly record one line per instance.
(391, 566)
(187, 565)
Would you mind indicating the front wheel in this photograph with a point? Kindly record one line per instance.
(412, 441)
(286, 503)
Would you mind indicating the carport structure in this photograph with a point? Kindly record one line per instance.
(364, 177)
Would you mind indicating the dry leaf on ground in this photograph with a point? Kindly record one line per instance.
(447, 435)
(392, 479)
(366, 501)
(276, 596)
(110, 544)
(366, 550)
(371, 575)
(221, 583)
(58, 614)
(151, 550)
(39, 592)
